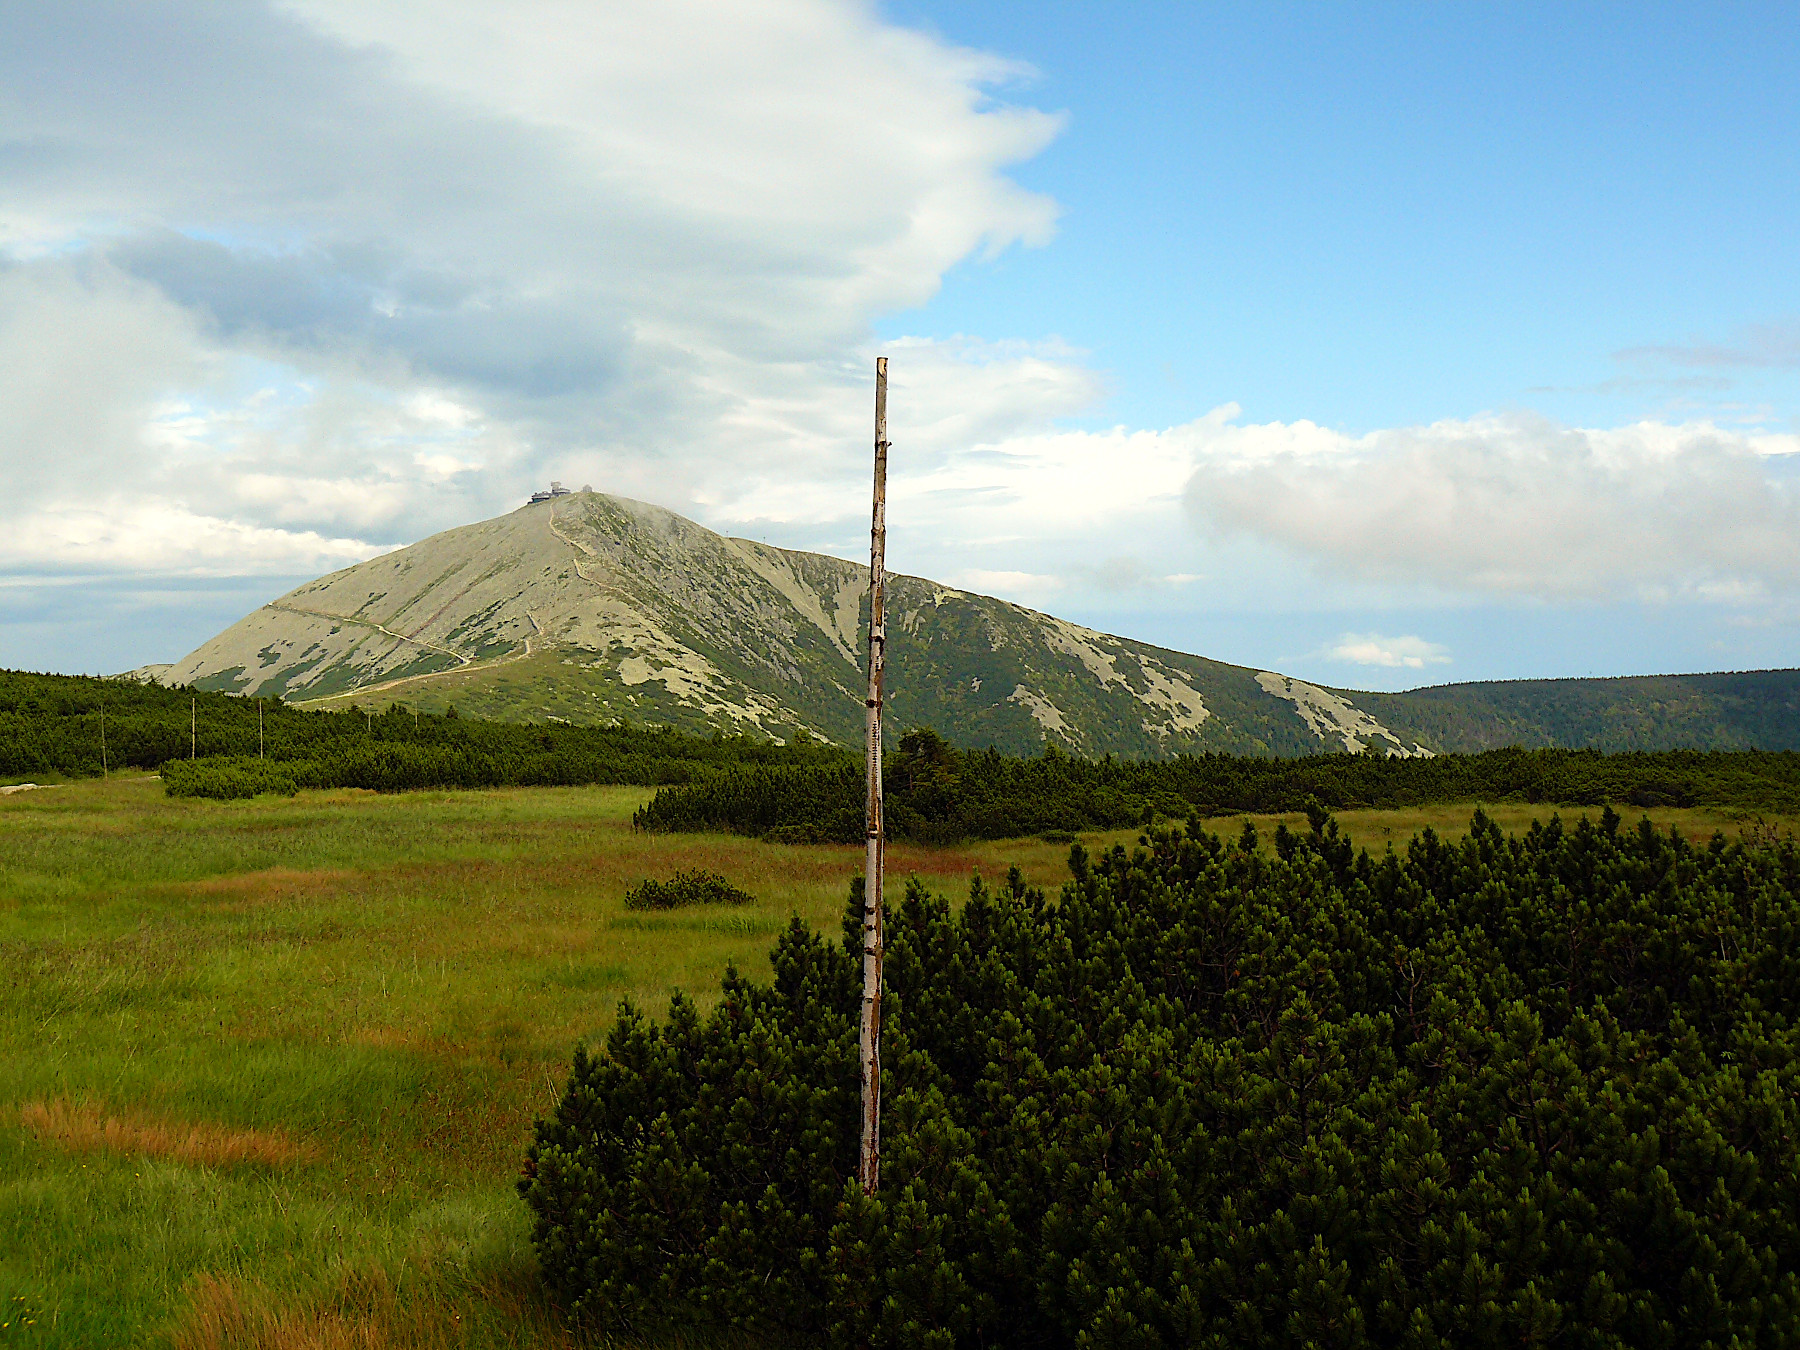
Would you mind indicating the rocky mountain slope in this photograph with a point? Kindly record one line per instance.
(589, 607)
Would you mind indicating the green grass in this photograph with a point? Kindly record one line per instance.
(378, 992)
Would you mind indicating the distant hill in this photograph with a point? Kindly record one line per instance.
(590, 608)
(1744, 710)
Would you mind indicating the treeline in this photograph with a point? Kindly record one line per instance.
(400, 767)
(1540, 1090)
(210, 744)
(937, 793)
(217, 745)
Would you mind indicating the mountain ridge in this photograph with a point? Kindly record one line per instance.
(591, 607)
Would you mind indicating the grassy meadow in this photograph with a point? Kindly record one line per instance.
(267, 1067)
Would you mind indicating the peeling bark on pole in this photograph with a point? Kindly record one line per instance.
(869, 1167)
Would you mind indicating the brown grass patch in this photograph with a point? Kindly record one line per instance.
(366, 1309)
(248, 890)
(389, 1038)
(83, 1128)
(363, 1313)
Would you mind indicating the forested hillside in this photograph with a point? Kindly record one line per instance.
(1746, 710)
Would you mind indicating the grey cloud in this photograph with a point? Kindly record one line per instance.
(293, 183)
(312, 295)
(368, 298)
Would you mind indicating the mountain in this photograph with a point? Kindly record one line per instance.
(590, 607)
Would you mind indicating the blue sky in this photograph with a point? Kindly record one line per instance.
(1378, 345)
(1372, 215)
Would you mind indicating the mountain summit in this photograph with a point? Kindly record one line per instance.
(589, 607)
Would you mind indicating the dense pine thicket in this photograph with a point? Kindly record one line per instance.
(937, 793)
(52, 724)
(1541, 1090)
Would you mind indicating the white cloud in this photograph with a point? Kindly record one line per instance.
(1514, 507)
(1510, 505)
(1023, 586)
(1395, 653)
(159, 536)
(85, 355)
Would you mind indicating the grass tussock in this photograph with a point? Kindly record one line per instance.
(82, 1128)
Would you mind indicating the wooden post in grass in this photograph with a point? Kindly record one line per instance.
(105, 772)
(869, 1045)
(193, 728)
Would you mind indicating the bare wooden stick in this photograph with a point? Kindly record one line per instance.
(869, 1045)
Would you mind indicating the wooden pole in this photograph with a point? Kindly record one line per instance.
(259, 728)
(105, 772)
(193, 728)
(869, 1044)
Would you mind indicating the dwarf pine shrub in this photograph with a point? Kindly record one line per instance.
(225, 779)
(1534, 1090)
(695, 887)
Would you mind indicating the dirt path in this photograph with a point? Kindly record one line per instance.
(579, 547)
(467, 663)
(370, 623)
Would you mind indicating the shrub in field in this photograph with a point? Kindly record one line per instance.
(1532, 1090)
(225, 779)
(686, 888)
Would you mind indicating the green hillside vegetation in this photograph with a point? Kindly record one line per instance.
(1539, 1090)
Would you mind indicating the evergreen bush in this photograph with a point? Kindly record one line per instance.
(1539, 1090)
(225, 779)
(686, 888)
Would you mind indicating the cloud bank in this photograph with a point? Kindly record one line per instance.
(334, 276)
(1511, 505)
